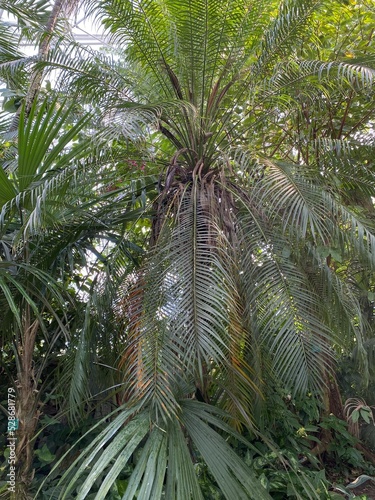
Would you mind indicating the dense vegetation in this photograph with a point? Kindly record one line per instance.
(187, 236)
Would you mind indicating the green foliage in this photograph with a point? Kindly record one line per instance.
(190, 219)
(297, 482)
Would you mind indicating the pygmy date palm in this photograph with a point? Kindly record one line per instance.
(236, 287)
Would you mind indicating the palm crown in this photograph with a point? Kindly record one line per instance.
(253, 229)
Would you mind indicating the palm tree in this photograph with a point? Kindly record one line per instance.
(29, 294)
(54, 221)
(236, 288)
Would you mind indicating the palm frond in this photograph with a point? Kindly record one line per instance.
(146, 21)
(181, 312)
(127, 439)
(312, 211)
(28, 13)
(297, 198)
(36, 149)
(358, 76)
(164, 465)
(75, 373)
(23, 284)
(283, 306)
(287, 25)
(231, 474)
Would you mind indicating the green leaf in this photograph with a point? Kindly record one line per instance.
(121, 485)
(366, 414)
(41, 141)
(286, 252)
(336, 255)
(7, 191)
(234, 478)
(45, 455)
(355, 416)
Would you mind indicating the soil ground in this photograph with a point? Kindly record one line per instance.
(367, 489)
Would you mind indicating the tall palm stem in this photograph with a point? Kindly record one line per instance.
(26, 408)
(36, 78)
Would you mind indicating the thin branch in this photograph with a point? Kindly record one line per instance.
(349, 101)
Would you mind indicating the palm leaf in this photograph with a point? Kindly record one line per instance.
(288, 24)
(164, 456)
(283, 306)
(182, 311)
(230, 472)
(37, 136)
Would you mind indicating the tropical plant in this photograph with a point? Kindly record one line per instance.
(237, 286)
(255, 208)
(52, 225)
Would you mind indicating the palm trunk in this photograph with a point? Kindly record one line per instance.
(332, 404)
(37, 76)
(38, 73)
(333, 398)
(26, 407)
